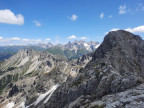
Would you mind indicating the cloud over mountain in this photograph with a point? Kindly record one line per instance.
(83, 38)
(139, 29)
(72, 37)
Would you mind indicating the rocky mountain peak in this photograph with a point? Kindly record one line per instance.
(117, 65)
(27, 52)
(120, 39)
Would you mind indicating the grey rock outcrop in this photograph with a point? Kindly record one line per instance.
(84, 59)
(116, 66)
(29, 74)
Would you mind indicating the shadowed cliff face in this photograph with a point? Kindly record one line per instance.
(117, 65)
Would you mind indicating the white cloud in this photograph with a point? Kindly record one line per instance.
(25, 40)
(37, 40)
(122, 9)
(37, 23)
(114, 29)
(48, 39)
(139, 29)
(8, 17)
(19, 41)
(83, 38)
(73, 17)
(72, 37)
(110, 16)
(15, 38)
(101, 15)
(1, 38)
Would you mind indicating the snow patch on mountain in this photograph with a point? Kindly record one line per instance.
(89, 46)
(10, 105)
(42, 96)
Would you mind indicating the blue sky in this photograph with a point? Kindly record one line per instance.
(60, 21)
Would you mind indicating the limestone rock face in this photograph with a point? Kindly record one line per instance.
(116, 66)
(111, 77)
(84, 59)
(29, 75)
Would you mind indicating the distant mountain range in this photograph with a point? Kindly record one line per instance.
(70, 50)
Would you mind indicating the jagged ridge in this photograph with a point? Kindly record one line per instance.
(29, 74)
(116, 66)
